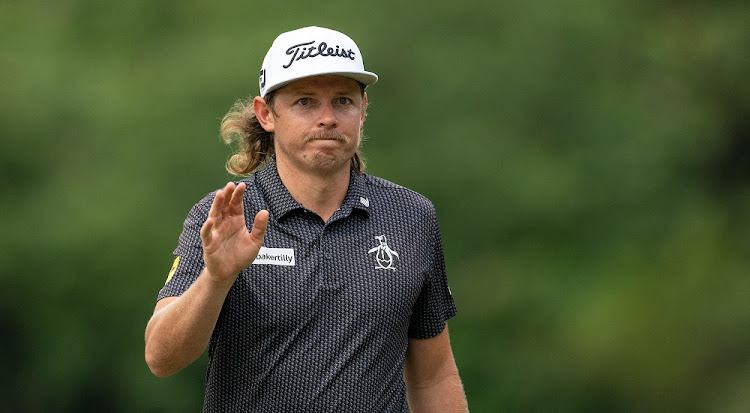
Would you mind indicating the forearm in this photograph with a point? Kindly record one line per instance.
(431, 376)
(178, 333)
(445, 395)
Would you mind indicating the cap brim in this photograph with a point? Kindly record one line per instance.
(366, 78)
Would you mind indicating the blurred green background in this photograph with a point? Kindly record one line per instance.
(589, 162)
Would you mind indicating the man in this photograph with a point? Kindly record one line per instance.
(336, 299)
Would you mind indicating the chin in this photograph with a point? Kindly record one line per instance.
(330, 162)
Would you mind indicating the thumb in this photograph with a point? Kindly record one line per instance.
(259, 227)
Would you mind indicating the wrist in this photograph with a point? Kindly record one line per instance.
(221, 282)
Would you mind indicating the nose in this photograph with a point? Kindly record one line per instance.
(327, 116)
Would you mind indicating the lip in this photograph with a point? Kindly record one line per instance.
(327, 141)
(329, 138)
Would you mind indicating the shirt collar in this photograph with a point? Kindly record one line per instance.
(357, 196)
(278, 198)
(280, 201)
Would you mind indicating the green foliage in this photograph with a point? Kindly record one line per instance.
(589, 161)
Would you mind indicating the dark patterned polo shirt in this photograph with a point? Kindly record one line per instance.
(320, 321)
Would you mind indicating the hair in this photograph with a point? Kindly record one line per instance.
(254, 145)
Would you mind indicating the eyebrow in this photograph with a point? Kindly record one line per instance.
(298, 89)
(308, 92)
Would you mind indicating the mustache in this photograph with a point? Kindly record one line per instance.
(327, 135)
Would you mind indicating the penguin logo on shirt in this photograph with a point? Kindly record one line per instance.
(385, 257)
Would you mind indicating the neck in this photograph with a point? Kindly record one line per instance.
(322, 192)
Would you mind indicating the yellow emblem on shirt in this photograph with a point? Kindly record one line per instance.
(174, 268)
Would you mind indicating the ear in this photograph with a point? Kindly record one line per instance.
(263, 113)
(364, 107)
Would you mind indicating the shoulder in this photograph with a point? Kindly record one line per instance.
(398, 196)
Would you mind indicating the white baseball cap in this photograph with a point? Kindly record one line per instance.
(311, 51)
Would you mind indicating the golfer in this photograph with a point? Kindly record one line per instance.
(315, 286)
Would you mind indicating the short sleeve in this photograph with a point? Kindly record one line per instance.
(435, 304)
(189, 252)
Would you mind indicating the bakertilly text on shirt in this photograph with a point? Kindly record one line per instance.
(275, 256)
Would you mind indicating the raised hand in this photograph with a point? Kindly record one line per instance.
(228, 247)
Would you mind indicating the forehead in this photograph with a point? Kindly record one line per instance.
(322, 84)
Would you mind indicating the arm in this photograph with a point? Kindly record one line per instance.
(431, 376)
(181, 327)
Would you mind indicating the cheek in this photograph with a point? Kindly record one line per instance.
(355, 118)
(287, 128)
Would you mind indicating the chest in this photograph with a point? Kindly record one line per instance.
(356, 270)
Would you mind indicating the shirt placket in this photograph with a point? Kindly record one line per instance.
(329, 249)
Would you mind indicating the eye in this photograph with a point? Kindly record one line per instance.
(343, 101)
(304, 101)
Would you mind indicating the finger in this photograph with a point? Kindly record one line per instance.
(215, 210)
(235, 203)
(206, 231)
(219, 205)
(259, 226)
